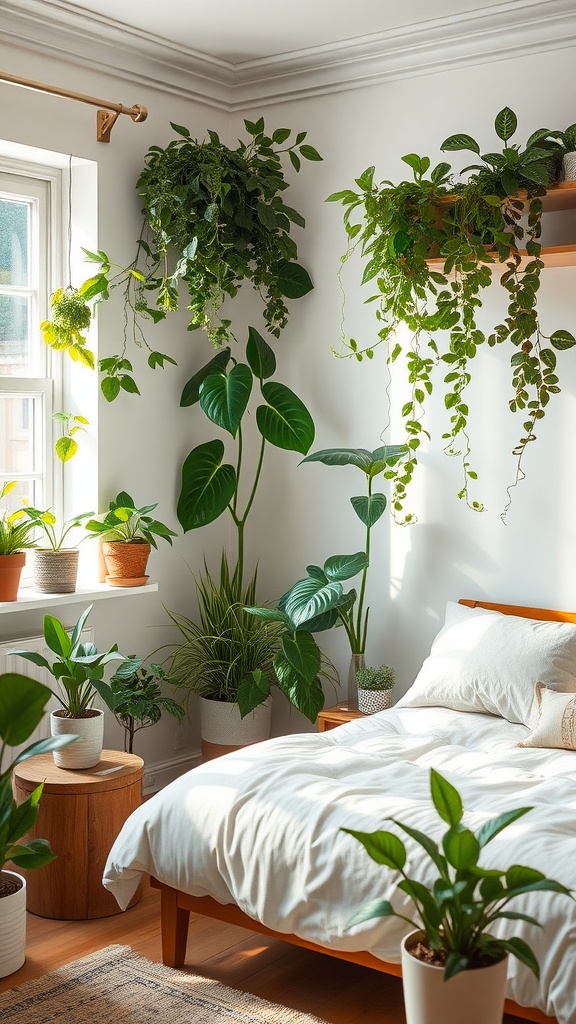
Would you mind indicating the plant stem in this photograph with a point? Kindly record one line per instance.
(360, 634)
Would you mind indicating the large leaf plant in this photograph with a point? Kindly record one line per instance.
(428, 246)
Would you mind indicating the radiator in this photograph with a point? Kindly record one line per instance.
(12, 663)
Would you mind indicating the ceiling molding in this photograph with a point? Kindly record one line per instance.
(510, 29)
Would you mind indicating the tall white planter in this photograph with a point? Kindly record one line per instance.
(12, 928)
(472, 997)
(222, 726)
(85, 752)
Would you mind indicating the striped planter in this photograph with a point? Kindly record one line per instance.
(12, 927)
(55, 572)
(371, 701)
(85, 752)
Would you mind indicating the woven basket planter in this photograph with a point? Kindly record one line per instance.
(55, 572)
(371, 701)
(125, 563)
(10, 572)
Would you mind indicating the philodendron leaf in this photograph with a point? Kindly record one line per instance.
(285, 422)
(260, 357)
(191, 392)
(305, 695)
(224, 397)
(369, 508)
(292, 280)
(253, 690)
(22, 703)
(302, 653)
(344, 567)
(309, 598)
(359, 457)
(207, 486)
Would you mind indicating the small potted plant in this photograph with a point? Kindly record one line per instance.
(56, 565)
(127, 533)
(15, 537)
(453, 967)
(21, 710)
(374, 688)
(138, 699)
(79, 673)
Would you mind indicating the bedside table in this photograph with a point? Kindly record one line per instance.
(331, 718)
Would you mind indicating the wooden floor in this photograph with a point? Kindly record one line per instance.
(337, 992)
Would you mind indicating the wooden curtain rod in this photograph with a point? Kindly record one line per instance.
(105, 119)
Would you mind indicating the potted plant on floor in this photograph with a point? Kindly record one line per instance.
(453, 966)
(127, 533)
(78, 670)
(374, 688)
(55, 566)
(15, 538)
(138, 699)
(22, 706)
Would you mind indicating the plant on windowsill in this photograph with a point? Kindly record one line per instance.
(138, 699)
(22, 708)
(15, 538)
(127, 533)
(456, 913)
(78, 671)
(467, 225)
(55, 564)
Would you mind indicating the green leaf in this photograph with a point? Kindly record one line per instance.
(302, 653)
(461, 847)
(285, 422)
(378, 908)
(309, 153)
(268, 614)
(22, 704)
(383, 847)
(56, 636)
(456, 142)
(110, 388)
(369, 509)
(309, 598)
(253, 691)
(446, 799)
(66, 448)
(304, 695)
(359, 457)
(224, 397)
(180, 129)
(491, 828)
(344, 567)
(520, 949)
(280, 135)
(505, 124)
(191, 392)
(260, 356)
(293, 280)
(207, 486)
(562, 340)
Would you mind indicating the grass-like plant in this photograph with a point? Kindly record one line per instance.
(381, 678)
(15, 529)
(457, 910)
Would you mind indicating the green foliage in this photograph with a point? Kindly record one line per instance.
(138, 699)
(71, 316)
(457, 911)
(47, 522)
(66, 446)
(22, 708)
(15, 529)
(126, 524)
(381, 678)
(465, 227)
(78, 668)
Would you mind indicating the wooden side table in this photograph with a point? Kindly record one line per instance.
(341, 713)
(81, 814)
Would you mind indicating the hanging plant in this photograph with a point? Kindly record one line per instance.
(70, 317)
(428, 245)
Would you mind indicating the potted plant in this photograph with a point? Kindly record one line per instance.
(22, 704)
(453, 966)
(78, 670)
(138, 699)
(15, 538)
(55, 566)
(127, 534)
(374, 688)
(70, 317)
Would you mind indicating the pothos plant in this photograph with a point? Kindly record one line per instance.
(214, 217)
(428, 245)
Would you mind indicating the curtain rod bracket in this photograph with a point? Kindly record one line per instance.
(105, 121)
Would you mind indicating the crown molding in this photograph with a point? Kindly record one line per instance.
(511, 29)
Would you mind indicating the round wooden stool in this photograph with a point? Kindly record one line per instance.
(81, 814)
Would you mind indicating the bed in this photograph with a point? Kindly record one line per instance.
(254, 838)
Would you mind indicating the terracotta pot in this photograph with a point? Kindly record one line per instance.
(10, 572)
(55, 572)
(12, 927)
(223, 730)
(86, 751)
(126, 563)
(473, 997)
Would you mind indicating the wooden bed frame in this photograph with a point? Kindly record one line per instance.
(176, 906)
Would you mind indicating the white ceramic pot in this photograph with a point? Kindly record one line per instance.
(221, 724)
(12, 927)
(569, 166)
(471, 997)
(371, 701)
(86, 750)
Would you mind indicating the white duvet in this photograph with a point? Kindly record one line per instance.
(261, 828)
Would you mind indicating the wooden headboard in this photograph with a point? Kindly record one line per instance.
(527, 613)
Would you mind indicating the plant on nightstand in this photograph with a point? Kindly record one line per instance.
(22, 704)
(374, 688)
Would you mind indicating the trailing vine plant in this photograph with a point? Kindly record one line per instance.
(428, 244)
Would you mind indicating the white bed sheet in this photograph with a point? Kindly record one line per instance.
(261, 828)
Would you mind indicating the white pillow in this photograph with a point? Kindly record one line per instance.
(556, 725)
(485, 661)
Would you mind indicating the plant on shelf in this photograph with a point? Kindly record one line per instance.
(47, 522)
(457, 911)
(138, 699)
(127, 534)
(55, 562)
(428, 246)
(78, 671)
(318, 602)
(16, 536)
(22, 708)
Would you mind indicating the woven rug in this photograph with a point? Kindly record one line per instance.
(116, 986)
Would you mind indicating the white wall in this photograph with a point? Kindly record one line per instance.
(303, 512)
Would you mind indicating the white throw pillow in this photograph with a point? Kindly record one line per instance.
(485, 661)
(556, 725)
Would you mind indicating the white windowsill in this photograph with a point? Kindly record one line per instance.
(30, 599)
